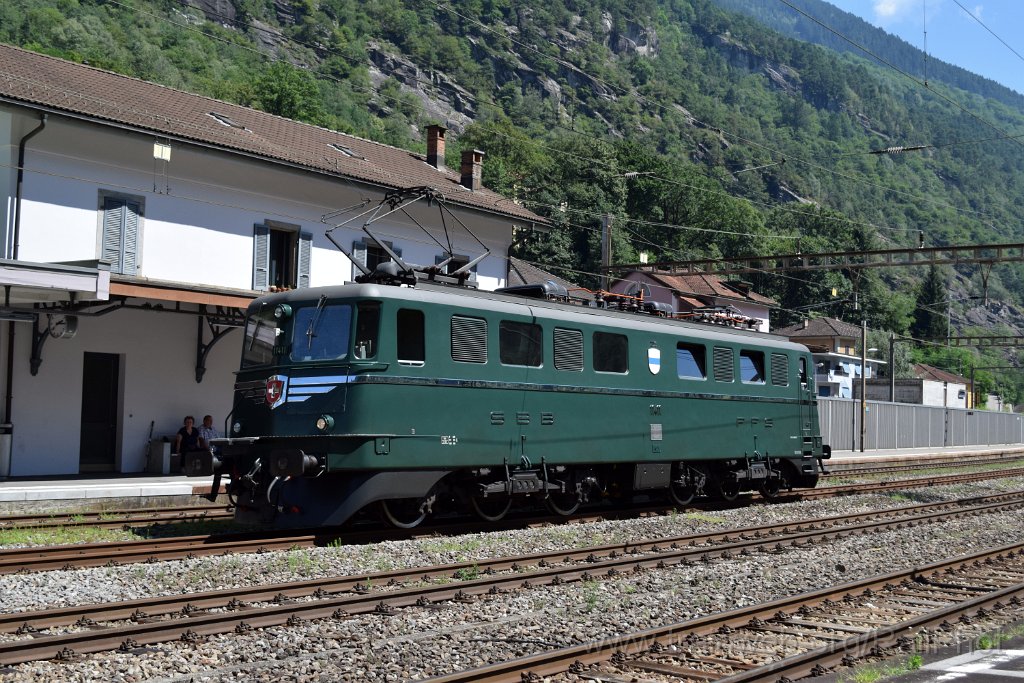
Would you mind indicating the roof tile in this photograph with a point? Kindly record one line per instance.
(35, 79)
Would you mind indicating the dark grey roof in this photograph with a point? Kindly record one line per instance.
(821, 327)
(522, 272)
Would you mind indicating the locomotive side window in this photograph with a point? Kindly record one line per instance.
(691, 361)
(321, 332)
(520, 344)
(803, 371)
(568, 349)
(261, 334)
(723, 364)
(751, 366)
(411, 339)
(780, 370)
(611, 352)
(367, 330)
(469, 339)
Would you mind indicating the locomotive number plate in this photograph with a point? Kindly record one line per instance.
(449, 440)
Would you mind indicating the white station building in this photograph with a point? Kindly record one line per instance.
(139, 221)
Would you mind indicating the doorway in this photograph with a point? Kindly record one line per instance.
(101, 373)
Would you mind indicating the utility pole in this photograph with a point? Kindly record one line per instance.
(892, 367)
(606, 249)
(863, 380)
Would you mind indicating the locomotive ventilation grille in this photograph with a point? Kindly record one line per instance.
(568, 349)
(723, 364)
(780, 370)
(469, 339)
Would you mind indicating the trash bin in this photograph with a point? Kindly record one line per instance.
(5, 449)
(159, 461)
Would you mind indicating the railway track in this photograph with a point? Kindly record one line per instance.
(142, 517)
(115, 519)
(840, 470)
(188, 617)
(44, 558)
(791, 638)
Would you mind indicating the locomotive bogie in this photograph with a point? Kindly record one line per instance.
(370, 393)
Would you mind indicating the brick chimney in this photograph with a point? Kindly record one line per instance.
(472, 169)
(806, 323)
(435, 146)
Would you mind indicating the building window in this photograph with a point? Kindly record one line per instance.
(120, 240)
(458, 261)
(371, 254)
(281, 256)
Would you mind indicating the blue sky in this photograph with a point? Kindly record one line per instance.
(953, 35)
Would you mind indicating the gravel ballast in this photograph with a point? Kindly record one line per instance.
(420, 642)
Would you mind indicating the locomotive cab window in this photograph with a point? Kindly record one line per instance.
(261, 337)
(520, 344)
(321, 332)
(611, 352)
(751, 366)
(367, 330)
(691, 361)
(411, 340)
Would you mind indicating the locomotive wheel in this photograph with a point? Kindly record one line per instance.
(404, 513)
(771, 487)
(728, 490)
(491, 508)
(563, 504)
(681, 494)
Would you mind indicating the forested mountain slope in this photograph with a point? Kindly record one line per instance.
(700, 130)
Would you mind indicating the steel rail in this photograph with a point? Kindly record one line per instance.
(195, 625)
(575, 658)
(66, 615)
(115, 518)
(43, 558)
(837, 469)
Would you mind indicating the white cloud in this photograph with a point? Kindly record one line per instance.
(889, 11)
(977, 10)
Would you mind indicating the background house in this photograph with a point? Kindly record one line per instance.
(833, 344)
(930, 386)
(688, 292)
(138, 223)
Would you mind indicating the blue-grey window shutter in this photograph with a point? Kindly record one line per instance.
(120, 234)
(131, 239)
(305, 257)
(113, 217)
(261, 257)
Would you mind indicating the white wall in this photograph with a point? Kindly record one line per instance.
(942, 394)
(158, 375)
(198, 219)
(8, 177)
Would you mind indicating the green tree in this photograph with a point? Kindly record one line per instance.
(290, 92)
(930, 319)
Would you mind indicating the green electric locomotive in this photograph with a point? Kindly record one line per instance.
(413, 399)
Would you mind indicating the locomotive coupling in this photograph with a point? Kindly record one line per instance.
(292, 462)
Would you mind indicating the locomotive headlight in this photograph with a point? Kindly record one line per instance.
(324, 423)
(282, 311)
(236, 428)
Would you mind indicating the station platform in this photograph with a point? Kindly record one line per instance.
(97, 492)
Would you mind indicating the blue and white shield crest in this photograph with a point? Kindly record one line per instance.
(654, 360)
